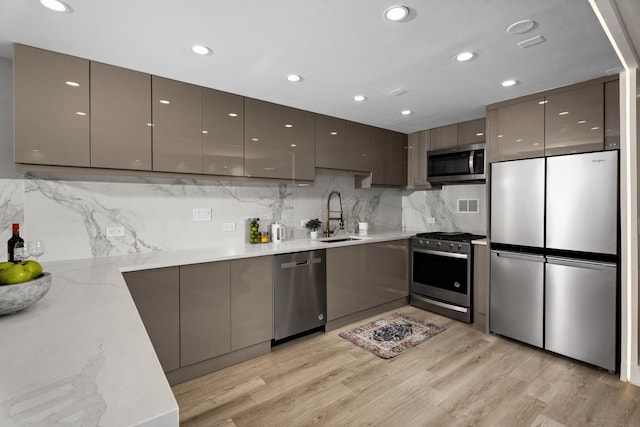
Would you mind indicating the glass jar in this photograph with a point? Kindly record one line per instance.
(254, 230)
(264, 237)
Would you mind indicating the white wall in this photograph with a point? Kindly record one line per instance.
(70, 213)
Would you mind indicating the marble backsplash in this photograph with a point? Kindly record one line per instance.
(71, 214)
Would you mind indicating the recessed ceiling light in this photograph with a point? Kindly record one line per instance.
(509, 83)
(205, 131)
(563, 113)
(293, 78)
(465, 56)
(72, 84)
(164, 101)
(479, 133)
(406, 112)
(334, 133)
(582, 121)
(56, 6)
(397, 13)
(233, 114)
(595, 128)
(293, 145)
(359, 98)
(542, 102)
(200, 49)
(81, 113)
(288, 126)
(522, 27)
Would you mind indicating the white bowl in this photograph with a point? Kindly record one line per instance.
(17, 297)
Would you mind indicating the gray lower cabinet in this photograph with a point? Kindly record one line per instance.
(205, 311)
(342, 281)
(480, 285)
(156, 294)
(251, 301)
(364, 276)
(194, 313)
(383, 272)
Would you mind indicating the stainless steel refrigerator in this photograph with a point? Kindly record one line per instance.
(554, 254)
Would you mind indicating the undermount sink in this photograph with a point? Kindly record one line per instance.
(342, 239)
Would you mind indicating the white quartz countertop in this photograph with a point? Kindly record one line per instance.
(81, 356)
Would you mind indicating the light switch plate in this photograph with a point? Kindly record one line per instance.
(229, 226)
(202, 214)
(431, 220)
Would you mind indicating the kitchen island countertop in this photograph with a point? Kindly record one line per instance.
(81, 355)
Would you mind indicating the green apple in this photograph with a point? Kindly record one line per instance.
(15, 274)
(5, 264)
(33, 266)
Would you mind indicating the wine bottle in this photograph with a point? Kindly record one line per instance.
(13, 242)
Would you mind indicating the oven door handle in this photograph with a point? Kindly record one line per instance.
(440, 253)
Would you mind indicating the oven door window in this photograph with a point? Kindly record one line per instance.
(440, 271)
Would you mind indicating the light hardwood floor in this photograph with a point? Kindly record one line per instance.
(461, 377)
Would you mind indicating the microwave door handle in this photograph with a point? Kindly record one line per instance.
(472, 156)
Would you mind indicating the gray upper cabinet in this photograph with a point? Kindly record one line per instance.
(388, 156)
(472, 132)
(417, 147)
(574, 121)
(444, 137)
(358, 146)
(177, 126)
(205, 311)
(222, 133)
(251, 301)
(279, 141)
(520, 131)
(156, 294)
(331, 142)
(52, 115)
(612, 115)
(120, 118)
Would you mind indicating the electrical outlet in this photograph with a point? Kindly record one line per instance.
(202, 214)
(431, 220)
(303, 222)
(229, 226)
(115, 231)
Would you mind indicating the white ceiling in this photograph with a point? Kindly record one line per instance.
(342, 48)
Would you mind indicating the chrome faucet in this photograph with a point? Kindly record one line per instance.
(328, 232)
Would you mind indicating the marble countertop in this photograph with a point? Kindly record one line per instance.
(81, 355)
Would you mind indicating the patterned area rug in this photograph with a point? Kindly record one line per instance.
(392, 335)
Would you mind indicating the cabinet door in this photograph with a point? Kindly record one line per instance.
(472, 132)
(480, 284)
(51, 95)
(330, 142)
(611, 115)
(342, 281)
(222, 133)
(120, 118)
(574, 121)
(388, 157)
(358, 143)
(156, 294)
(383, 273)
(493, 148)
(251, 301)
(299, 145)
(264, 156)
(177, 126)
(205, 311)
(521, 130)
(444, 137)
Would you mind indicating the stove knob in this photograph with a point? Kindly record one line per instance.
(459, 246)
(451, 245)
(439, 244)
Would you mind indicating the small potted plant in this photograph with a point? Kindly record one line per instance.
(313, 225)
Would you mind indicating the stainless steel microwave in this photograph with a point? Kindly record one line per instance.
(457, 164)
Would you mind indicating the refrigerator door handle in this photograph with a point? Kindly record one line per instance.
(593, 265)
(512, 255)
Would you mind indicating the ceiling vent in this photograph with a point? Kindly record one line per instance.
(531, 42)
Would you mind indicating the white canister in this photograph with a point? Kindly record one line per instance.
(277, 232)
(363, 228)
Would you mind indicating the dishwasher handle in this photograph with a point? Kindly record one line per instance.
(303, 263)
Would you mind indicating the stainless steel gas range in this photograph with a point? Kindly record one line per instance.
(442, 273)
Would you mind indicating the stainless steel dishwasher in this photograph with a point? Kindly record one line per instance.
(300, 293)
